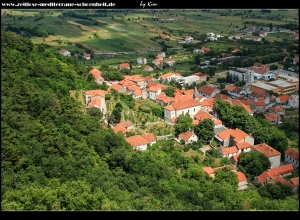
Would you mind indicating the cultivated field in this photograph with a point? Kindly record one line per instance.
(131, 30)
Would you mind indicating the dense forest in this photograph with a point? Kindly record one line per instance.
(55, 157)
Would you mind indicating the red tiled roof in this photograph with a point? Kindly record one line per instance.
(241, 176)
(237, 134)
(166, 75)
(266, 150)
(272, 116)
(201, 115)
(240, 103)
(207, 89)
(124, 65)
(259, 70)
(95, 102)
(217, 122)
(199, 74)
(138, 92)
(161, 96)
(133, 88)
(150, 84)
(116, 87)
(239, 35)
(292, 153)
(62, 50)
(184, 104)
(260, 103)
(208, 170)
(276, 109)
(295, 181)
(206, 49)
(222, 96)
(195, 122)
(136, 140)
(230, 87)
(147, 78)
(87, 55)
(281, 170)
(126, 82)
(229, 150)
(243, 145)
(94, 93)
(236, 157)
(284, 97)
(147, 67)
(186, 135)
(96, 73)
(149, 137)
(119, 127)
(126, 124)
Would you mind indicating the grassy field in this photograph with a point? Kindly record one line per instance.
(132, 29)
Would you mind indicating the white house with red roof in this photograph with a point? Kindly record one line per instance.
(188, 137)
(87, 56)
(233, 137)
(65, 52)
(243, 183)
(148, 68)
(262, 34)
(164, 36)
(123, 66)
(238, 36)
(97, 74)
(208, 91)
(170, 62)
(204, 50)
(256, 38)
(167, 76)
(172, 111)
(162, 54)
(292, 156)
(273, 118)
(140, 142)
(188, 38)
(96, 98)
(141, 60)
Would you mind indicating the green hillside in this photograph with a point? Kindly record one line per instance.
(55, 157)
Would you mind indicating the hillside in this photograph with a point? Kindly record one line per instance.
(54, 157)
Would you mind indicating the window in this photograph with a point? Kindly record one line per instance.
(194, 109)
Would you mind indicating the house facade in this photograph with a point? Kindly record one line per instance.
(291, 156)
(174, 110)
(141, 60)
(188, 137)
(243, 183)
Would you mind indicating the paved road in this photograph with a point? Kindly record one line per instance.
(268, 64)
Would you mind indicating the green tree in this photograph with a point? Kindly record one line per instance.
(253, 163)
(205, 130)
(170, 91)
(183, 123)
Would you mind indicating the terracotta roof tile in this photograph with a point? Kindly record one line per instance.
(185, 104)
(186, 135)
(207, 89)
(95, 102)
(237, 134)
(136, 140)
(119, 127)
(126, 124)
(149, 137)
(165, 76)
(124, 65)
(94, 93)
(292, 153)
(241, 176)
(201, 115)
(243, 145)
(208, 170)
(116, 87)
(295, 181)
(229, 150)
(276, 109)
(260, 103)
(96, 73)
(266, 150)
(284, 97)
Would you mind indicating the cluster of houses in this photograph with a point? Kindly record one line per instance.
(66, 53)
